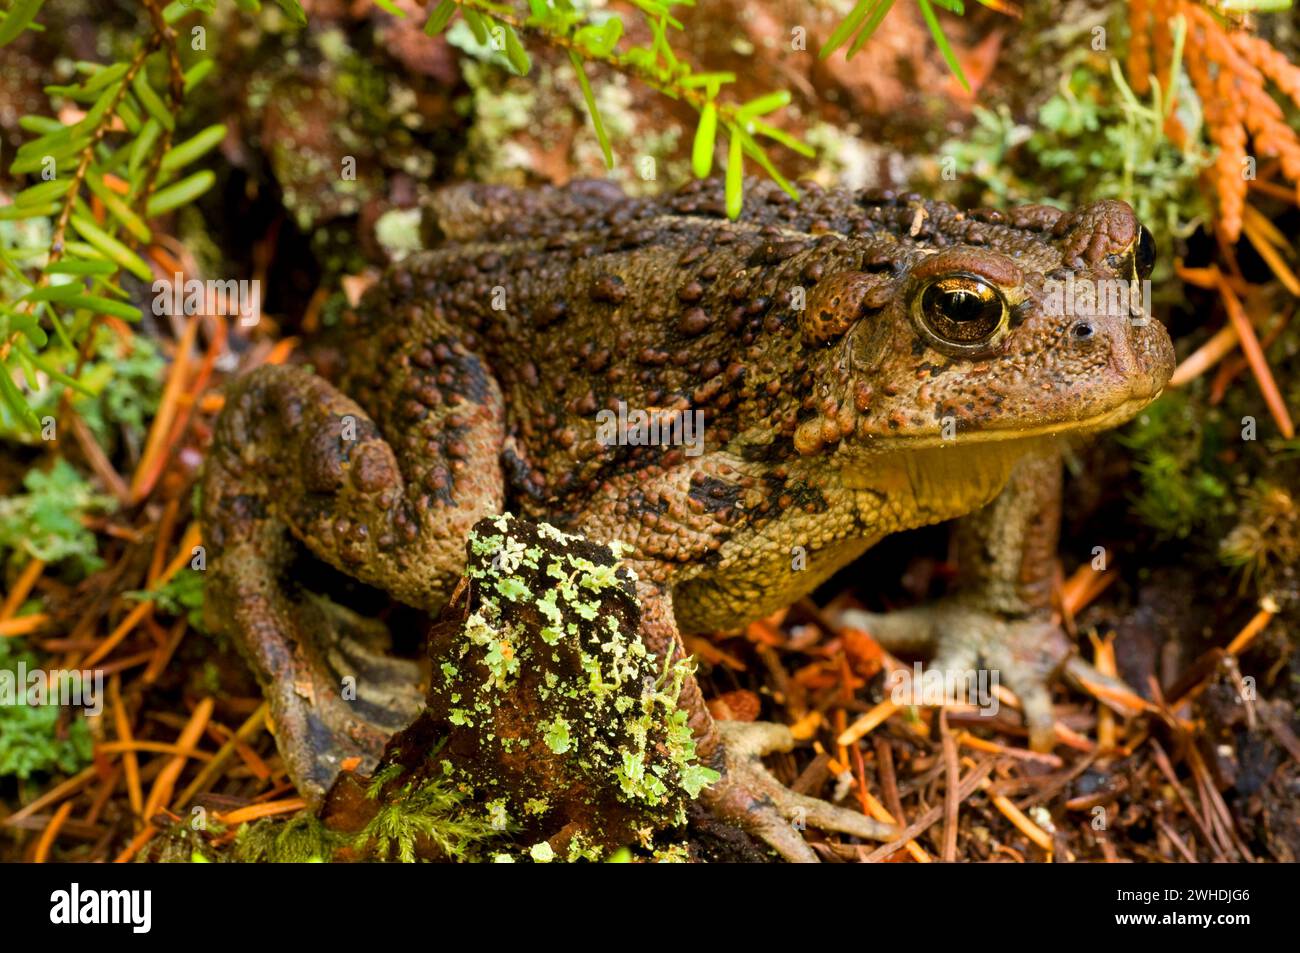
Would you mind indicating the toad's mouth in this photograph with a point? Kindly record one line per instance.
(1106, 420)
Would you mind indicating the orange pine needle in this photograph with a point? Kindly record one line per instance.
(155, 451)
(124, 628)
(1255, 356)
(1252, 628)
(281, 351)
(51, 831)
(1222, 343)
(130, 762)
(255, 812)
(1022, 822)
(868, 722)
(23, 625)
(52, 796)
(1083, 586)
(164, 784)
(22, 588)
(967, 740)
(1265, 237)
(137, 842)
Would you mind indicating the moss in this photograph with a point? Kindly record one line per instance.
(1176, 450)
(300, 839)
(423, 814)
(1092, 140)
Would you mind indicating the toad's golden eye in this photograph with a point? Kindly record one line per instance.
(961, 313)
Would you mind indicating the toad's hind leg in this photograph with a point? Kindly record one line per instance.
(293, 458)
(746, 794)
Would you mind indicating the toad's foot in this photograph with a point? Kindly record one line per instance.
(969, 642)
(334, 691)
(751, 798)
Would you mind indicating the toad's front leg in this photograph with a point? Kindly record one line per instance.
(998, 620)
(292, 458)
(747, 795)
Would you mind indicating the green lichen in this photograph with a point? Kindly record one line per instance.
(557, 735)
(555, 632)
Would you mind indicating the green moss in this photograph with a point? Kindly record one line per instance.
(1176, 448)
(300, 839)
(1093, 139)
(430, 812)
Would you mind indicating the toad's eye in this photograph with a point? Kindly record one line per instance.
(1144, 253)
(961, 313)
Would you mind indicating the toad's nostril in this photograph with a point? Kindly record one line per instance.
(1082, 330)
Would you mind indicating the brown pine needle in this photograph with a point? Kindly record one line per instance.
(878, 811)
(953, 779)
(163, 654)
(158, 747)
(96, 457)
(251, 726)
(53, 796)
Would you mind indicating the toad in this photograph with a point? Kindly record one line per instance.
(856, 363)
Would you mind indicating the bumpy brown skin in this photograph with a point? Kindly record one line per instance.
(478, 370)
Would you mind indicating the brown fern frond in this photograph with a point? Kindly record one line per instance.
(1138, 64)
(1231, 70)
